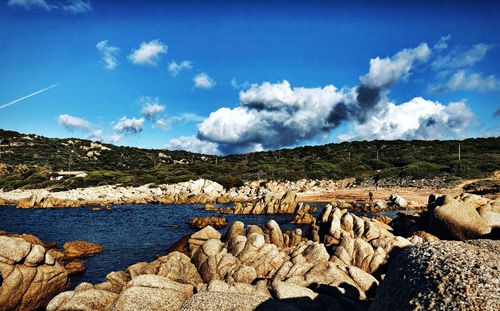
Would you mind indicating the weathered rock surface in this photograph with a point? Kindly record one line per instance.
(452, 219)
(77, 249)
(445, 275)
(29, 276)
(337, 265)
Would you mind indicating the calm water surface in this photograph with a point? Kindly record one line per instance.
(128, 233)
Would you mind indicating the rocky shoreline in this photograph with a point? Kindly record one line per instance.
(199, 191)
(342, 262)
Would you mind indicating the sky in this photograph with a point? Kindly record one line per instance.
(230, 77)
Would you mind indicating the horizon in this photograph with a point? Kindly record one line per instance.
(217, 78)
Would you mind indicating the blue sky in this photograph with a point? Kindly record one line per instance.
(255, 76)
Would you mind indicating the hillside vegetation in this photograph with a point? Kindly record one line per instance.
(30, 160)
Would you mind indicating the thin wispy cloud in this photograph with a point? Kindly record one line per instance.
(148, 53)
(70, 6)
(27, 96)
(108, 53)
(77, 6)
(455, 70)
(203, 81)
(175, 68)
(462, 80)
(461, 59)
(239, 86)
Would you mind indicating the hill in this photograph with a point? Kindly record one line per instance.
(30, 161)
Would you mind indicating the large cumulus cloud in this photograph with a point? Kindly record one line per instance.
(275, 115)
(416, 119)
(271, 116)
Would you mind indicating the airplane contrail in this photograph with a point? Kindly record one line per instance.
(24, 97)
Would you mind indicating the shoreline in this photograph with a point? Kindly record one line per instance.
(208, 192)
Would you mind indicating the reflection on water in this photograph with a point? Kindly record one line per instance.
(128, 233)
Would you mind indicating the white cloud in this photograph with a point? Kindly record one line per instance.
(462, 80)
(458, 60)
(167, 123)
(74, 123)
(236, 85)
(70, 6)
(271, 116)
(151, 107)
(203, 81)
(442, 43)
(416, 119)
(28, 4)
(148, 53)
(129, 125)
(175, 68)
(193, 144)
(98, 135)
(77, 6)
(384, 72)
(108, 54)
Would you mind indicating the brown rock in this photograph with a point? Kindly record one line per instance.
(202, 222)
(77, 249)
(75, 267)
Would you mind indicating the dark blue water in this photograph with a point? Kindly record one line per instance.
(128, 233)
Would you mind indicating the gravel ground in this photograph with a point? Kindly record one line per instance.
(443, 275)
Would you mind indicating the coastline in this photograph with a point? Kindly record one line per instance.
(203, 191)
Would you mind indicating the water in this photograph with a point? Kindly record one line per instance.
(128, 233)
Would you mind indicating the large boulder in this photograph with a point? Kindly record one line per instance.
(29, 276)
(443, 275)
(153, 292)
(451, 219)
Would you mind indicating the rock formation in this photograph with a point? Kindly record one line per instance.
(252, 266)
(29, 276)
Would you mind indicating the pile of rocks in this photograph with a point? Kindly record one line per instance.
(250, 266)
(267, 204)
(29, 275)
(467, 216)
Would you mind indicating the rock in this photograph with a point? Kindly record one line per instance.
(244, 274)
(285, 290)
(223, 301)
(176, 267)
(397, 201)
(236, 229)
(13, 250)
(455, 220)
(198, 238)
(36, 256)
(26, 281)
(27, 202)
(275, 233)
(90, 299)
(77, 249)
(443, 275)
(75, 267)
(492, 219)
(202, 222)
(153, 292)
